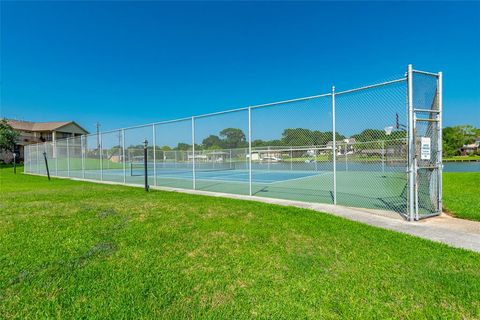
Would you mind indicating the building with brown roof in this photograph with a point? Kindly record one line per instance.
(471, 148)
(35, 132)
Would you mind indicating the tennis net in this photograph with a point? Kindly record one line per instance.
(138, 168)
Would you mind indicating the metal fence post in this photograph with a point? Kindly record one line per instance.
(145, 163)
(249, 150)
(154, 156)
(383, 156)
(28, 161)
(101, 155)
(334, 148)
(415, 166)
(268, 155)
(439, 142)
(38, 169)
(123, 157)
(193, 154)
(346, 157)
(55, 154)
(68, 159)
(45, 151)
(411, 146)
(82, 154)
(291, 159)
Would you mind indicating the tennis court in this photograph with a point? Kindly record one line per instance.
(221, 172)
(135, 171)
(312, 182)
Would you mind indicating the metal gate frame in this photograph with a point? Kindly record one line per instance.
(434, 167)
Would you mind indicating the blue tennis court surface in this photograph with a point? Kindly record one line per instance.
(258, 176)
(243, 176)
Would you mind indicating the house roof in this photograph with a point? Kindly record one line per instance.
(40, 126)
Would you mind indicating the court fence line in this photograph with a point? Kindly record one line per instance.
(376, 146)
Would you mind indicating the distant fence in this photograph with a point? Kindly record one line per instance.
(376, 147)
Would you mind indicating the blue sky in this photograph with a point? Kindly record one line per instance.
(126, 63)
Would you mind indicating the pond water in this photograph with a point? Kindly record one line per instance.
(461, 167)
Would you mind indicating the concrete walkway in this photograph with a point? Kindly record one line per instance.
(454, 232)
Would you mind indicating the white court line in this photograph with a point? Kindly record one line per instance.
(269, 181)
(226, 175)
(229, 175)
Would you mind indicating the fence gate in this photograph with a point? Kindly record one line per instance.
(426, 158)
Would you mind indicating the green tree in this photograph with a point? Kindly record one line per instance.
(455, 137)
(297, 137)
(8, 136)
(212, 142)
(269, 143)
(307, 137)
(183, 146)
(370, 135)
(233, 138)
(322, 138)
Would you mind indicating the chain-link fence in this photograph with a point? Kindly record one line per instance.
(376, 147)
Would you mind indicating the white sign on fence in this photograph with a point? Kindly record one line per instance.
(425, 149)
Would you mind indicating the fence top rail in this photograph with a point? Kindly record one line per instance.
(425, 73)
(371, 86)
(291, 100)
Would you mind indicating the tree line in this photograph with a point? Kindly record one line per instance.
(232, 138)
(456, 137)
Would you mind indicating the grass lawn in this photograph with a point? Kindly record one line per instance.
(82, 250)
(461, 194)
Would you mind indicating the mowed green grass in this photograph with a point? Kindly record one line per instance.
(461, 194)
(82, 250)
